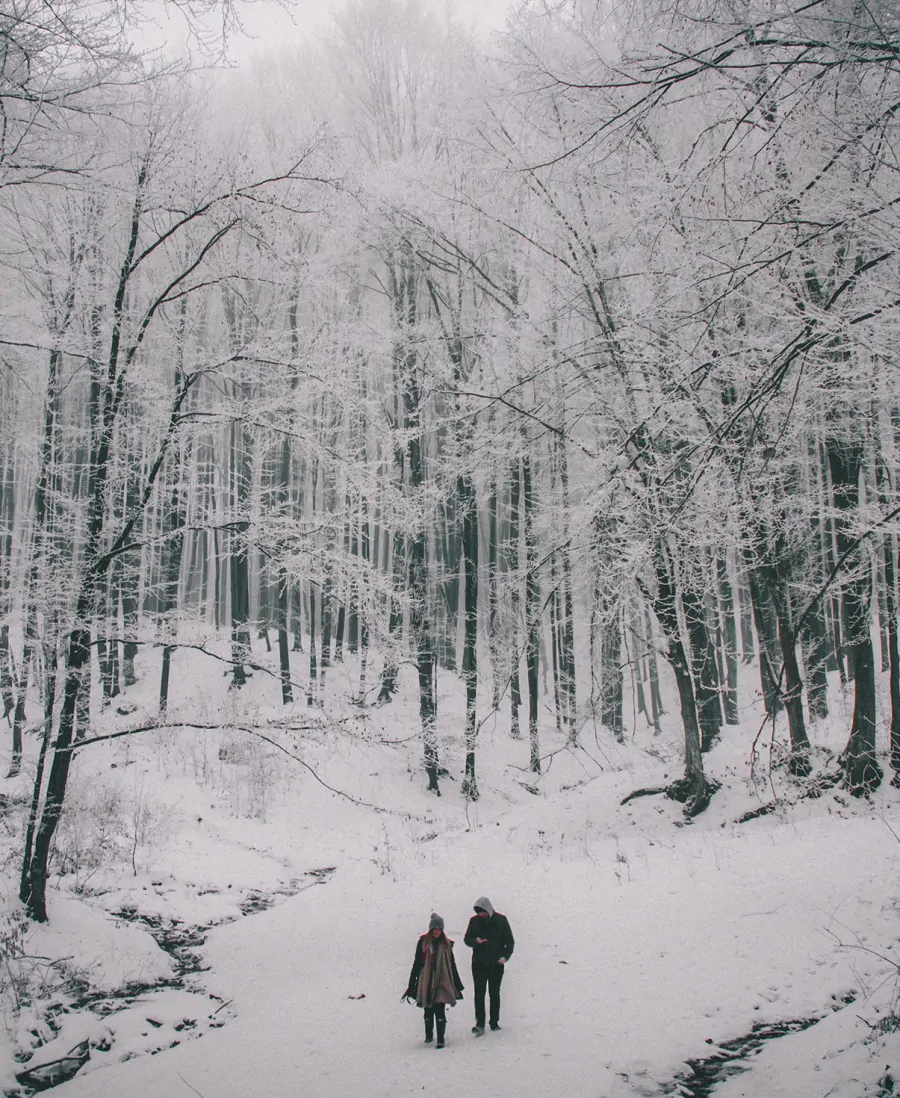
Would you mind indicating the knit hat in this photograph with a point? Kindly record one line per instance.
(436, 922)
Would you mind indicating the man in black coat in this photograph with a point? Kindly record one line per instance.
(491, 941)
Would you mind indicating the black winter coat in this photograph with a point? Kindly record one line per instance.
(500, 941)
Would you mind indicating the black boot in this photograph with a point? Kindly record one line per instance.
(429, 1027)
(441, 1026)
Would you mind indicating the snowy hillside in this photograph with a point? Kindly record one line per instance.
(643, 941)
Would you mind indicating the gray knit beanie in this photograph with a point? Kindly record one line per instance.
(436, 922)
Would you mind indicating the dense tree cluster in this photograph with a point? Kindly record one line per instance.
(561, 366)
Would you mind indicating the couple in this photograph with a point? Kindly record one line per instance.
(434, 980)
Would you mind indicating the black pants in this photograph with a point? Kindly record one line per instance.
(439, 1011)
(487, 977)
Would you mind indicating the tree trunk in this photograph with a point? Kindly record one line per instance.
(515, 687)
(890, 574)
(173, 542)
(746, 616)
(763, 618)
(729, 640)
(611, 679)
(656, 704)
(327, 622)
(425, 656)
(793, 682)
(420, 629)
(465, 493)
(363, 601)
(25, 879)
(312, 688)
(79, 652)
(340, 626)
(703, 664)
(450, 562)
(862, 771)
(495, 644)
(532, 613)
(565, 621)
(693, 790)
(400, 573)
(284, 652)
(239, 590)
(13, 700)
(556, 645)
(128, 571)
(816, 652)
(285, 466)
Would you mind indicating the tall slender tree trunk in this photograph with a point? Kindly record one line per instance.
(887, 497)
(515, 684)
(400, 572)
(763, 619)
(611, 677)
(312, 689)
(129, 567)
(831, 541)
(814, 640)
(862, 771)
(532, 613)
(656, 704)
(729, 640)
(363, 601)
(405, 299)
(748, 648)
(693, 790)
(465, 491)
(239, 554)
(282, 581)
(496, 656)
(25, 878)
(793, 682)
(890, 579)
(173, 547)
(705, 670)
(567, 648)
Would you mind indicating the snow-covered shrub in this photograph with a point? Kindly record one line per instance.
(249, 775)
(106, 821)
(28, 981)
(146, 827)
(92, 830)
(13, 990)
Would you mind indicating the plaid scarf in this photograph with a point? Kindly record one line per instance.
(436, 983)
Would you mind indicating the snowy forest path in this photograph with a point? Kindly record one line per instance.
(626, 965)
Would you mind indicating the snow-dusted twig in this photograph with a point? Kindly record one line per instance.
(188, 1085)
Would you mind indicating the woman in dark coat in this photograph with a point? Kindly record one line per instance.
(434, 980)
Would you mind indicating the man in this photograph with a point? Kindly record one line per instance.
(491, 941)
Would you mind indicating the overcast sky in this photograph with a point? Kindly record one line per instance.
(271, 24)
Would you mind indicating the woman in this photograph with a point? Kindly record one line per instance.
(434, 980)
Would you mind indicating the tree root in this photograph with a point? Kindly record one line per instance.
(695, 794)
(650, 791)
(813, 790)
(754, 814)
(862, 774)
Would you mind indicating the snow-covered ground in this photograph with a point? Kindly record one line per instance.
(643, 942)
